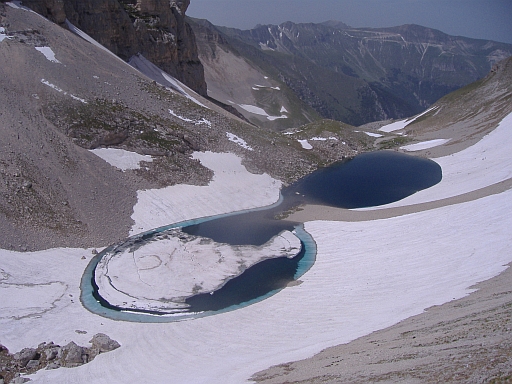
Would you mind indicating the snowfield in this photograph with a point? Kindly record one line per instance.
(121, 158)
(48, 53)
(401, 124)
(424, 145)
(367, 276)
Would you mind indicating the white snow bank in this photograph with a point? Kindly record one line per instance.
(86, 37)
(397, 125)
(121, 158)
(149, 69)
(232, 188)
(48, 53)
(241, 142)
(369, 276)
(180, 117)
(324, 138)
(371, 134)
(186, 119)
(487, 162)
(260, 111)
(424, 145)
(305, 144)
(3, 36)
(160, 274)
(253, 109)
(272, 118)
(53, 86)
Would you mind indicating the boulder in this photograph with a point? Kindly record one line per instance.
(102, 343)
(24, 356)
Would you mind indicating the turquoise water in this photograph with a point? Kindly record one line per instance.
(369, 179)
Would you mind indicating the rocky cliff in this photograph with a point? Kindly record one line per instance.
(155, 28)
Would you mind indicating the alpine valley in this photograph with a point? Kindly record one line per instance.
(118, 117)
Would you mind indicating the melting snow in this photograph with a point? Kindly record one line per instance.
(283, 110)
(180, 117)
(372, 134)
(238, 140)
(272, 118)
(397, 125)
(305, 144)
(253, 109)
(196, 122)
(260, 111)
(323, 138)
(121, 158)
(145, 66)
(425, 145)
(48, 53)
(45, 82)
(88, 38)
(3, 36)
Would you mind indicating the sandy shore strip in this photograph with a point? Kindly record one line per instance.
(313, 212)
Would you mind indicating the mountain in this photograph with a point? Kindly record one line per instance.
(154, 28)
(430, 346)
(354, 75)
(63, 95)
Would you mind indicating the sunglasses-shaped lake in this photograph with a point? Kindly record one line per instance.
(369, 179)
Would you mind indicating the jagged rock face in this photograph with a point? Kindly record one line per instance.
(155, 28)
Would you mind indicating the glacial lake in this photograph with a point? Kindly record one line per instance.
(369, 179)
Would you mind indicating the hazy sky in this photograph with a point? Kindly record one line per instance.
(482, 19)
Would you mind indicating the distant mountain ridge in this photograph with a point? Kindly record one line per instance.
(357, 75)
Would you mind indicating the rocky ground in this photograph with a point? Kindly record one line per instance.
(54, 192)
(50, 356)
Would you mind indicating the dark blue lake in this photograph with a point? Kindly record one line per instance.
(369, 179)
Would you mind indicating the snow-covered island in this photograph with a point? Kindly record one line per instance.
(160, 273)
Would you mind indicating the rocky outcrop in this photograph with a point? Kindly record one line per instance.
(154, 28)
(51, 356)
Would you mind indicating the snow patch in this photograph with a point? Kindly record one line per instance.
(180, 117)
(48, 53)
(121, 158)
(424, 145)
(238, 140)
(324, 138)
(398, 125)
(272, 118)
(253, 109)
(159, 274)
(196, 122)
(260, 111)
(371, 134)
(283, 110)
(3, 36)
(149, 69)
(305, 144)
(86, 37)
(46, 82)
(232, 188)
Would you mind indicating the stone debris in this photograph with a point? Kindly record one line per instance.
(50, 356)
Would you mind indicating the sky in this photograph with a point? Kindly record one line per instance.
(481, 19)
